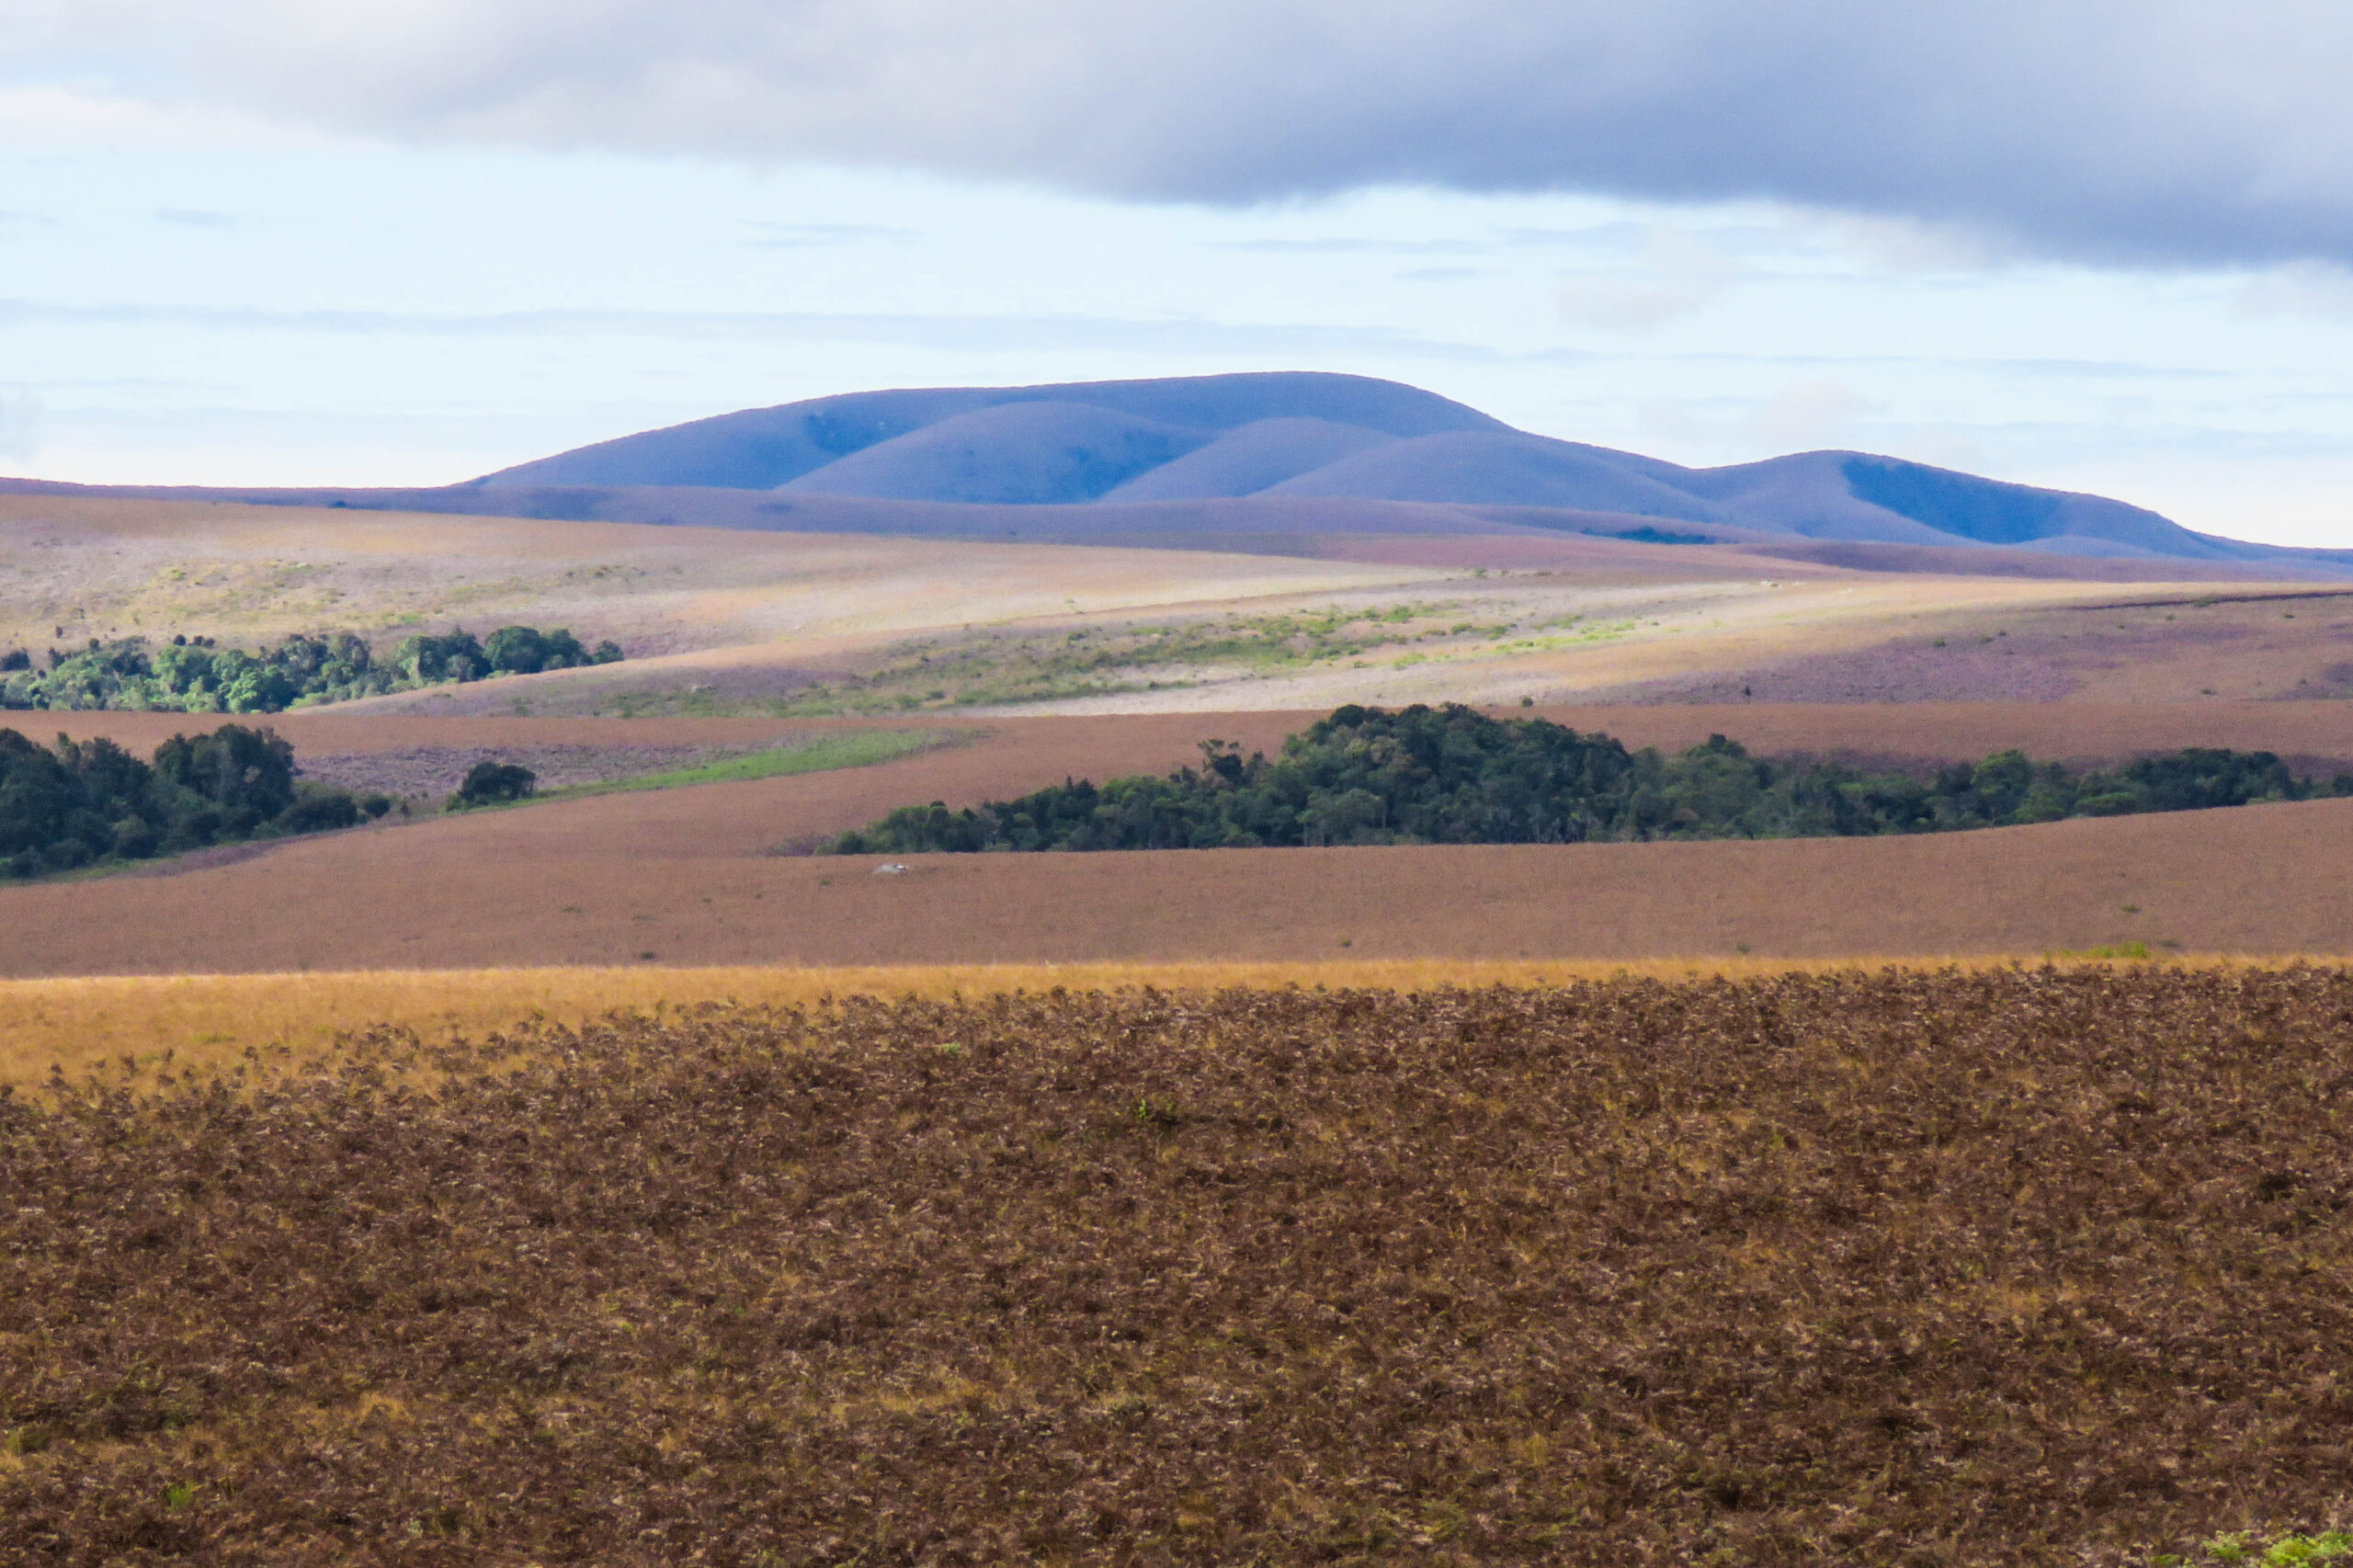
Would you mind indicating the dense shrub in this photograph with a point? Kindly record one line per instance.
(194, 675)
(494, 783)
(1997, 1269)
(1453, 775)
(83, 803)
(523, 649)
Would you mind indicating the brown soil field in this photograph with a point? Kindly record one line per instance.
(1021, 753)
(591, 882)
(690, 877)
(2007, 1268)
(1772, 553)
(2273, 644)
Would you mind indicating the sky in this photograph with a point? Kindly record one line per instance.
(2089, 244)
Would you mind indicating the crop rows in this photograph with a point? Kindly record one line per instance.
(2011, 1268)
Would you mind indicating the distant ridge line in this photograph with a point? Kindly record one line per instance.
(1187, 462)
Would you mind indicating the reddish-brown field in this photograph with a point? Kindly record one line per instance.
(2263, 643)
(1021, 753)
(2007, 1268)
(688, 876)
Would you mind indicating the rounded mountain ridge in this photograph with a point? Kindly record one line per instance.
(1271, 440)
(763, 449)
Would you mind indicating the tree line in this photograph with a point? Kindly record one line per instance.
(81, 803)
(1453, 775)
(194, 675)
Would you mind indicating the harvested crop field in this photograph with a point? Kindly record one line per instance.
(74, 1024)
(2019, 1267)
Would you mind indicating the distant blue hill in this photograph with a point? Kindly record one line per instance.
(1280, 461)
(1285, 435)
(855, 440)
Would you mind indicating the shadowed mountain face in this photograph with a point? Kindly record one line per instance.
(1280, 438)
(1022, 453)
(811, 446)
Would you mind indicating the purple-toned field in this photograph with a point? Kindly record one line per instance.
(691, 876)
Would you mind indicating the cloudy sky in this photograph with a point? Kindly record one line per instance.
(2098, 243)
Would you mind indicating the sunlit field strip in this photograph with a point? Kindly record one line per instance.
(77, 1024)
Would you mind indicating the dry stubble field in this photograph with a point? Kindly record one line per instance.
(2010, 1268)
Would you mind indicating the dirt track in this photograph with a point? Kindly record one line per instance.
(685, 876)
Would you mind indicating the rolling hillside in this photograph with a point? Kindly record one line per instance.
(1282, 436)
(1267, 461)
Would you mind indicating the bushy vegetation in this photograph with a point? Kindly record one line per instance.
(1453, 775)
(2007, 1268)
(193, 675)
(90, 802)
(495, 783)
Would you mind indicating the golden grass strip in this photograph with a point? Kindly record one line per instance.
(198, 1020)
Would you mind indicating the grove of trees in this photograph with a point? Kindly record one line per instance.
(1453, 775)
(90, 802)
(194, 675)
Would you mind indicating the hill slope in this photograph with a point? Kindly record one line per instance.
(763, 447)
(1284, 462)
(1282, 436)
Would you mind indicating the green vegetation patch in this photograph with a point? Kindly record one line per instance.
(1453, 775)
(816, 754)
(193, 675)
(91, 803)
(502, 784)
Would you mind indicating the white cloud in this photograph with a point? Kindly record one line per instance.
(45, 118)
(2299, 288)
(1910, 245)
(1679, 274)
(21, 423)
(1808, 414)
(2171, 131)
(1798, 416)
